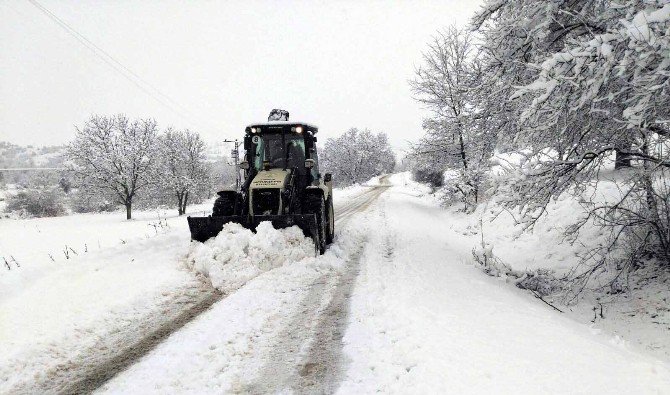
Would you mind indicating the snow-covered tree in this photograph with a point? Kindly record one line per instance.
(114, 156)
(182, 170)
(223, 173)
(458, 136)
(604, 95)
(516, 35)
(576, 86)
(357, 156)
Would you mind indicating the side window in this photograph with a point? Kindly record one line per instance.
(258, 152)
(315, 169)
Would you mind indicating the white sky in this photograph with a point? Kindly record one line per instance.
(335, 64)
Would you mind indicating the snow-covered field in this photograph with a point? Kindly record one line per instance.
(122, 279)
(394, 306)
(43, 245)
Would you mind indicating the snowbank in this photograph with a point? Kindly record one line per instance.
(544, 255)
(236, 255)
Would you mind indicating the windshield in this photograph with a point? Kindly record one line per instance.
(269, 149)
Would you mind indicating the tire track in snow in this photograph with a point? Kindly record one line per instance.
(308, 356)
(361, 202)
(323, 369)
(87, 368)
(96, 375)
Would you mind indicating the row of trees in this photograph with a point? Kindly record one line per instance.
(574, 88)
(117, 161)
(118, 158)
(356, 156)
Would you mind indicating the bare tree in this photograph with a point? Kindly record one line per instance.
(114, 156)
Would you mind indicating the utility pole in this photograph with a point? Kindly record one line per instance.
(235, 153)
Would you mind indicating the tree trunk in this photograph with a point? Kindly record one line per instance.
(184, 202)
(653, 217)
(179, 203)
(462, 149)
(621, 160)
(129, 210)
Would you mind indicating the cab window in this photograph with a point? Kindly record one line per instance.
(269, 149)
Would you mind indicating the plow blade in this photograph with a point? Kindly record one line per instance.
(204, 228)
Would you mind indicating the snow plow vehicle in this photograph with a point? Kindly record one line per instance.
(282, 184)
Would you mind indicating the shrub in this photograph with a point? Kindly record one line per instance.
(37, 203)
(432, 177)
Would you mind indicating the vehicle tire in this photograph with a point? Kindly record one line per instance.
(330, 224)
(224, 205)
(314, 204)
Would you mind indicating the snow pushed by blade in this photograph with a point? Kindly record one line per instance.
(237, 255)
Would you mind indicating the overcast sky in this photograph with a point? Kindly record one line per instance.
(225, 64)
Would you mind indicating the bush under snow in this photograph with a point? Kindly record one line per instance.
(37, 203)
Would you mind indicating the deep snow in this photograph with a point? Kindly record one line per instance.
(228, 348)
(39, 244)
(640, 316)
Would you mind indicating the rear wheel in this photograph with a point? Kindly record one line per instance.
(224, 205)
(330, 229)
(314, 204)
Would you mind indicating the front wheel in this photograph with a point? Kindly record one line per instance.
(225, 204)
(316, 205)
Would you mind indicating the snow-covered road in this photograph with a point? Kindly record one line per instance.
(280, 331)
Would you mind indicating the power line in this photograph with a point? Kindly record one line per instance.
(116, 65)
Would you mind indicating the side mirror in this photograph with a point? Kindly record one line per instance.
(247, 143)
(244, 165)
(309, 163)
(328, 177)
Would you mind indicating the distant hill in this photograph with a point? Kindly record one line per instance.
(13, 156)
